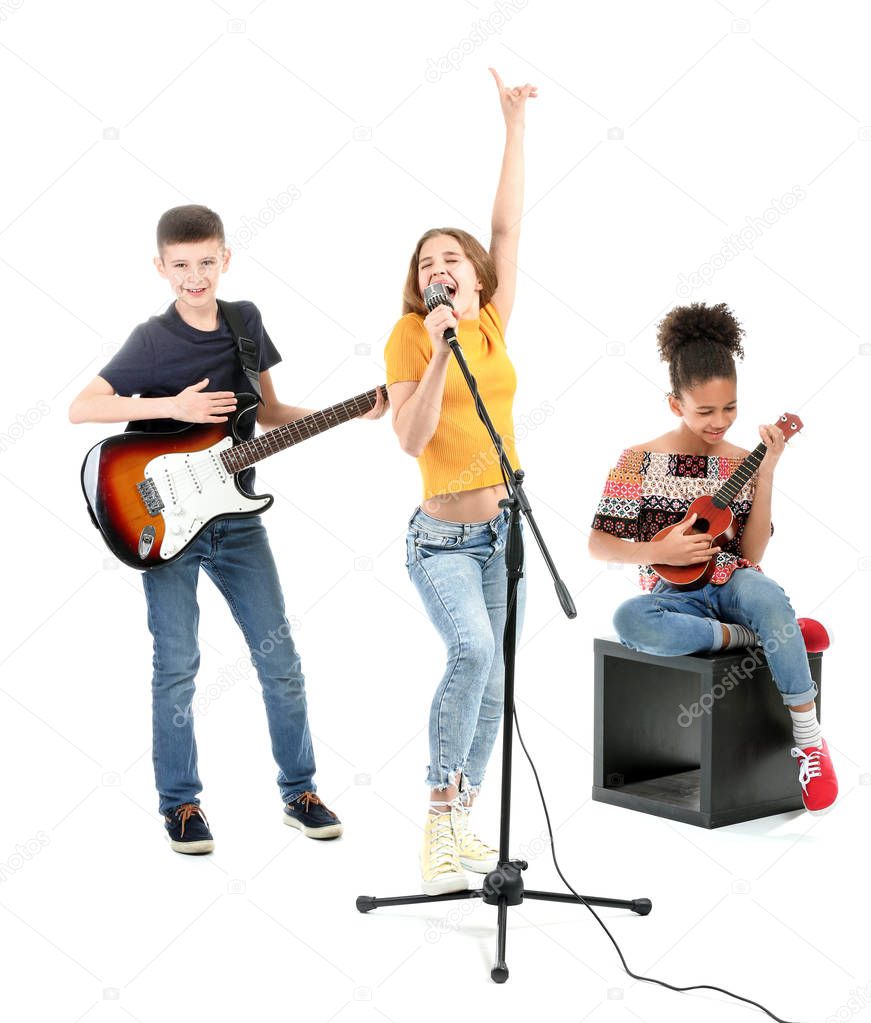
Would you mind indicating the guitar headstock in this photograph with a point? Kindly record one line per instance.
(789, 424)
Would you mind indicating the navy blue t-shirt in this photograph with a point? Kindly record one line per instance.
(165, 355)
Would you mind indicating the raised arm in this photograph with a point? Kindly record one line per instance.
(508, 204)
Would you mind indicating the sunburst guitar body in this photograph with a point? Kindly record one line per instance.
(152, 494)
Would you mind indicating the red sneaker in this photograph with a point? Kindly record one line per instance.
(816, 638)
(819, 786)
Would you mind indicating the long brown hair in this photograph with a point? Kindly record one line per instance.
(478, 256)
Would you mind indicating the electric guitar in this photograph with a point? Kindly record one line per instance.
(152, 494)
(715, 516)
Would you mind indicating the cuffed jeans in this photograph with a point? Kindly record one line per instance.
(235, 554)
(459, 571)
(669, 621)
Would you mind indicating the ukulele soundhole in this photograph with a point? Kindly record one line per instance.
(700, 526)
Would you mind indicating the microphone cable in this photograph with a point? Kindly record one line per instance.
(583, 901)
(636, 976)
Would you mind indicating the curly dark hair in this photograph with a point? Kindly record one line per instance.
(699, 343)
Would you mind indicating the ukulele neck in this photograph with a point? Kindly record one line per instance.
(730, 489)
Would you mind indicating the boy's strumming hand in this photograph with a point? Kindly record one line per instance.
(683, 547)
(513, 100)
(196, 405)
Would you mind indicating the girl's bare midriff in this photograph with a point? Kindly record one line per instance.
(479, 505)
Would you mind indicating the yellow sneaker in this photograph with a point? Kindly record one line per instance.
(473, 853)
(440, 866)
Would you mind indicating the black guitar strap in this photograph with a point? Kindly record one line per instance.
(246, 348)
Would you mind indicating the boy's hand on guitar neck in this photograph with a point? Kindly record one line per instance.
(683, 547)
(381, 405)
(194, 405)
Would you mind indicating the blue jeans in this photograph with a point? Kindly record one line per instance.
(459, 571)
(235, 555)
(669, 621)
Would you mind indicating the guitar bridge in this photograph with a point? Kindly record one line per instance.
(150, 497)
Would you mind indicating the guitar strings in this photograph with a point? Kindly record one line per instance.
(203, 469)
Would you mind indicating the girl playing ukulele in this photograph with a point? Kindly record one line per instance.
(652, 486)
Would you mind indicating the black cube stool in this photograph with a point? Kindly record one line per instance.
(702, 738)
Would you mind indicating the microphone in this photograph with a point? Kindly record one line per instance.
(436, 295)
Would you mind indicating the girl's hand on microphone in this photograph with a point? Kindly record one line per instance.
(436, 323)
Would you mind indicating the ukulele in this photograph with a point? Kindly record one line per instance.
(151, 494)
(715, 516)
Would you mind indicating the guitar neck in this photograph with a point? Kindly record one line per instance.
(270, 443)
(730, 489)
(789, 424)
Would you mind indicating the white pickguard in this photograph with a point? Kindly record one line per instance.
(196, 488)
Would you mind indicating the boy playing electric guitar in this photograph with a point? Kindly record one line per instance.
(185, 368)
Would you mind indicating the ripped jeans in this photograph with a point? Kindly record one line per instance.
(459, 571)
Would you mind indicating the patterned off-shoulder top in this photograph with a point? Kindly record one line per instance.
(648, 490)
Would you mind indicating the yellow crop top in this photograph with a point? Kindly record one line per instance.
(460, 456)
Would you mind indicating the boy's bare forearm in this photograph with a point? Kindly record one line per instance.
(114, 408)
(280, 414)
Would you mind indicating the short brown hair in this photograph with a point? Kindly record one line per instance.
(479, 257)
(188, 224)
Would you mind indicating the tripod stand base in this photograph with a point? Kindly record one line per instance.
(365, 903)
(503, 887)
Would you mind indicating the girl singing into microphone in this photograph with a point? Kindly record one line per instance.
(456, 537)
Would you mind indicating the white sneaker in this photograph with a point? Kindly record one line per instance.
(474, 854)
(440, 867)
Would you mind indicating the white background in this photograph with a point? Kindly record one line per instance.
(658, 131)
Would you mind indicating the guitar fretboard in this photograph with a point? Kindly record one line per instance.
(273, 441)
(730, 489)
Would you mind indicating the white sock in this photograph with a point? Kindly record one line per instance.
(806, 728)
(739, 636)
(434, 804)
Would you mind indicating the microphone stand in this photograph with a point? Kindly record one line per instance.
(503, 887)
